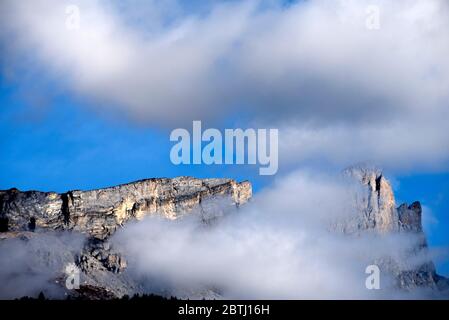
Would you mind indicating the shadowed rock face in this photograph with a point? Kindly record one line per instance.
(100, 212)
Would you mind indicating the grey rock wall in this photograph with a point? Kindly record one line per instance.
(100, 212)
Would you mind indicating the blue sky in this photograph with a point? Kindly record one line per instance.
(61, 145)
(93, 106)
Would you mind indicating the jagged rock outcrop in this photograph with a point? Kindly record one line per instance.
(100, 212)
(376, 211)
(102, 252)
(376, 205)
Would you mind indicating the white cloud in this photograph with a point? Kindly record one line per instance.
(399, 145)
(312, 66)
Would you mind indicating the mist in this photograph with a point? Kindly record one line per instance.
(35, 262)
(282, 245)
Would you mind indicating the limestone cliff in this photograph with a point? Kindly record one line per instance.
(376, 205)
(100, 212)
(376, 211)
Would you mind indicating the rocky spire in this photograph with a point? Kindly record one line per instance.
(376, 204)
(377, 212)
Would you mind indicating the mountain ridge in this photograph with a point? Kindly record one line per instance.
(98, 213)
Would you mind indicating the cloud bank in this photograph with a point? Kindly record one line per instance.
(280, 246)
(338, 90)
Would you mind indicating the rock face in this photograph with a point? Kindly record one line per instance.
(100, 212)
(377, 205)
(377, 212)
